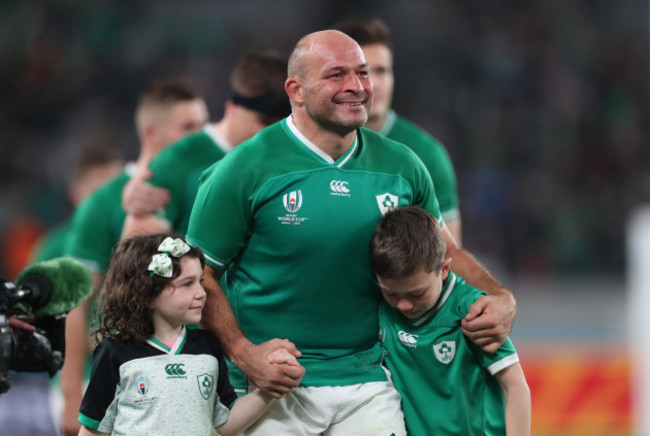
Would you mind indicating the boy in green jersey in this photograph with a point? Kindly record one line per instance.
(449, 386)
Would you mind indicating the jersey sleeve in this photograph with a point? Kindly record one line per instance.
(102, 388)
(424, 191)
(505, 356)
(220, 222)
(94, 233)
(170, 171)
(225, 391)
(442, 173)
(501, 359)
(436, 160)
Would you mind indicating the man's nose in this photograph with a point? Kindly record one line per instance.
(353, 83)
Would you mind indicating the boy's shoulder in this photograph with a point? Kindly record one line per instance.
(455, 299)
(460, 294)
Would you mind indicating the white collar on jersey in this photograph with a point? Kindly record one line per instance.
(130, 168)
(313, 147)
(218, 139)
(178, 345)
(441, 300)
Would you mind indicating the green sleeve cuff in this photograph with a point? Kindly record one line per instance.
(88, 422)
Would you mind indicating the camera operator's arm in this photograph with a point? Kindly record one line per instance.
(85, 431)
(21, 323)
(74, 365)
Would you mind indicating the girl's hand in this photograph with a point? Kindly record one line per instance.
(281, 355)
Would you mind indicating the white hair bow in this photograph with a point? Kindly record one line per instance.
(161, 264)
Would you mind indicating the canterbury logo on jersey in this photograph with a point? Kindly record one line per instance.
(175, 369)
(339, 187)
(407, 339)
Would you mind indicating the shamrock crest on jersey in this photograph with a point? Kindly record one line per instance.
(206, 384)
(386, 202)
(445, 351)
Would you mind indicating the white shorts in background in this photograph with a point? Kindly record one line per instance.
(365, 409)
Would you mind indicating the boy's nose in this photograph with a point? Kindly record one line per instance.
(404, 304)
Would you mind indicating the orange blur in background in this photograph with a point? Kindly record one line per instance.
(579, 392)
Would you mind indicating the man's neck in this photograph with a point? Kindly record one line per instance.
(225, 134)
(332, 143)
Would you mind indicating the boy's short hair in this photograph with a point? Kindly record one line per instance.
(407, 240)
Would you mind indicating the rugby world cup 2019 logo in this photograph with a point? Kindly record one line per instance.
(292, 201)
(142, 385)
(143, 388)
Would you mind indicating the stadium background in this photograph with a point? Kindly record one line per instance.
(543, 106)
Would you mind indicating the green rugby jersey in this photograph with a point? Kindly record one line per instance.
(447, 383)
(434, 156)
(149, 389)
(178, 169)
(97, 224)
(291, 227)
(51, 245)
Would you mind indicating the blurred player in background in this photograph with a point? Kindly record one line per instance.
(373, 36)
(258, 99)
(95, 163)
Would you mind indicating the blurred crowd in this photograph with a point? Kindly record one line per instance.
(543, 106)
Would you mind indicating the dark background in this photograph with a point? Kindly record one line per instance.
(543, 105)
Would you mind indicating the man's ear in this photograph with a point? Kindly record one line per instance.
(149, 133)
(293, 87)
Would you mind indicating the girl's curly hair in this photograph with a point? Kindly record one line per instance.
(124, 308)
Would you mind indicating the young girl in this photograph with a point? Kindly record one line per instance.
(151, 374)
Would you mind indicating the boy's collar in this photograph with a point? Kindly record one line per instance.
(447, 287)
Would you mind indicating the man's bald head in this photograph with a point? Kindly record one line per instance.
(317, 43)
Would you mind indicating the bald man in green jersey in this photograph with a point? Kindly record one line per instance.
(285, 220)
